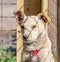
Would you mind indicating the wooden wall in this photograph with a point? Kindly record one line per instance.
(52, 7)
(58, 30)
(32, 7)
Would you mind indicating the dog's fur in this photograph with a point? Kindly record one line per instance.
(35, 37)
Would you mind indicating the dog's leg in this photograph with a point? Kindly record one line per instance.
(25, 56)
(35, 59)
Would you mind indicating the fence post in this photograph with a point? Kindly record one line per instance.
(19, 38)
(44, 9)
(44, 6)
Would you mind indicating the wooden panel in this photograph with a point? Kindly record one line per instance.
(53, 25)
(32, 7)
(58, 30)
(44, 6)
(52, 7)
(19, 35)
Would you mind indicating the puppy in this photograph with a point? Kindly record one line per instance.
(36, 43)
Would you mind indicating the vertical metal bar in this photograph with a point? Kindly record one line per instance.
(2, 27)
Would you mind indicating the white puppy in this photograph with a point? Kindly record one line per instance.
(36, 43)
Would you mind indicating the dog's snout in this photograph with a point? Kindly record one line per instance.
(25, 37)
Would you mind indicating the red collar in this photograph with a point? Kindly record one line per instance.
(35, 52)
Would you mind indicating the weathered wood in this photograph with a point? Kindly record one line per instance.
(32, 7)
(19, 35)
(58, 36)
(52, 7)
(44, 6)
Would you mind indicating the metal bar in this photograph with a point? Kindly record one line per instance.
(9, 3)
(2, 28)
(54, 2)
(7, 16)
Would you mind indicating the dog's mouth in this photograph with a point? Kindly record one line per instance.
(28, 41)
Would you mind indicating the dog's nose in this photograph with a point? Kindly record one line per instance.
(25, 37)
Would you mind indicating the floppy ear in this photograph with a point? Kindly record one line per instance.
(44, 17)
(18, 15)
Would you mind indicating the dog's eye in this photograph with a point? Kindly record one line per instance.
(33, 26)
(22, 26)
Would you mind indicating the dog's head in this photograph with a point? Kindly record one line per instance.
(32, 26)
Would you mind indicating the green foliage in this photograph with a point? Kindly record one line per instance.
(8, 57)
(55, 56)
(0, 59)
(0, 49)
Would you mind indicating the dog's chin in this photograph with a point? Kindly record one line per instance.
(28, 41)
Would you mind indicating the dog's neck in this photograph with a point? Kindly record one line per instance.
(42, 39)
(44, 33)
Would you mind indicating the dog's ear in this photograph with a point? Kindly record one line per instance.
(44, 17)
(19, 15)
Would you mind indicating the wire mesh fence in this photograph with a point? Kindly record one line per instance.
(8, 46)
(8, 37)
(7, 31)
(52, 8)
